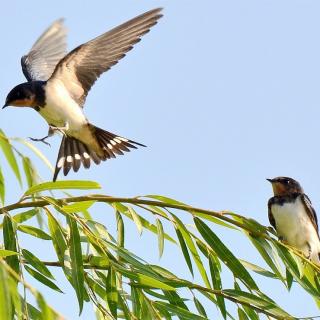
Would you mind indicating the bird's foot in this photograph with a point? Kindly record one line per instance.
(41, 140)
(50, 133)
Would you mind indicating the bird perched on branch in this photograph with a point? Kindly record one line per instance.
(58, 84)
(292, 215)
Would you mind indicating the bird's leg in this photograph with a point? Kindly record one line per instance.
(50, 133)
(61, 129)
(52, 130)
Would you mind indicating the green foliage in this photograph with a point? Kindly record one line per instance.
(116, 281)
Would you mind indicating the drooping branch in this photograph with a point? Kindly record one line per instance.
(223, 215)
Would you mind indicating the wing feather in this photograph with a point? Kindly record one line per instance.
(45, 54)
(270, 215)
(310, 211)
(82, 66)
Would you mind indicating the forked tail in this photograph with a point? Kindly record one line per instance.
(73, 152)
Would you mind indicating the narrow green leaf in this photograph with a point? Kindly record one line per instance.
(215, 270)
(6, 253)
(58, 238)
(185, 251)
(41, 278)
(9, 239)
(62, 185)
(153, 283)
(136, 219)
(124, 307)
(33, 231)
(8, 152)
(99, 261)
(46, 311)
(76, 261)
(24, 216)
(78, 206)
(145, 223)
(36, 263)
(200, 307)
(213, 219)
(251, 313)
(165, 199)
(242, 315)
(160, 237)
(29, 172)
(174, 299)
(225, 254)
(112, 292)
(180, 312)
(120, 230)
(5, 299)
(269, 255)
(187, 237)
(33, 312)
(266, 304)
(2, 187)
(258, 269)
(136, 304)
(15, 298)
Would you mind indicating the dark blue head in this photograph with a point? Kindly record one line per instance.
(24, 95)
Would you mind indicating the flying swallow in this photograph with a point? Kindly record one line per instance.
(293, 217)
(58, 84)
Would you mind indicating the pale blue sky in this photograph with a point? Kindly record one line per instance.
(223, 93)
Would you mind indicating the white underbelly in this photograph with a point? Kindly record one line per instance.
(294, 225)
(61, 110)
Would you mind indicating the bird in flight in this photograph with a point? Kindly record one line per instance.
(58, 84)
(292, 215)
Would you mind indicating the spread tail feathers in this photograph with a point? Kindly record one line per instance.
(73, 152)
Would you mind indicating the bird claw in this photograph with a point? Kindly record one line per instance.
(41, 140)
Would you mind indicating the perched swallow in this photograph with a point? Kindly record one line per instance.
(292, 215)
(58, 84)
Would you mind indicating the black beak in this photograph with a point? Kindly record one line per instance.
(5, 105)
(270, 180)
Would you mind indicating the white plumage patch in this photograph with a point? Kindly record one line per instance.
(77, 156)
(295, 227)
(69, 158)
(85, 154)
(123, 139)
(60, 162)
(113, 142)
(117, 140)
(109, 146)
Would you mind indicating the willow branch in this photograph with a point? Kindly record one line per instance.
(136, 201)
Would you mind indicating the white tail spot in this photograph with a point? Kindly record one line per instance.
(117, 140)
(60, 162)
(86, 155)
(109, 146)
(123, 139)
(113, 142)
(77, 156)
(69, 158)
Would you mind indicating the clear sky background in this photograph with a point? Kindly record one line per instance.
(224, 93)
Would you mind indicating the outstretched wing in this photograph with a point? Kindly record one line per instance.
(82, 66)
(45, 54)
(310, 211)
